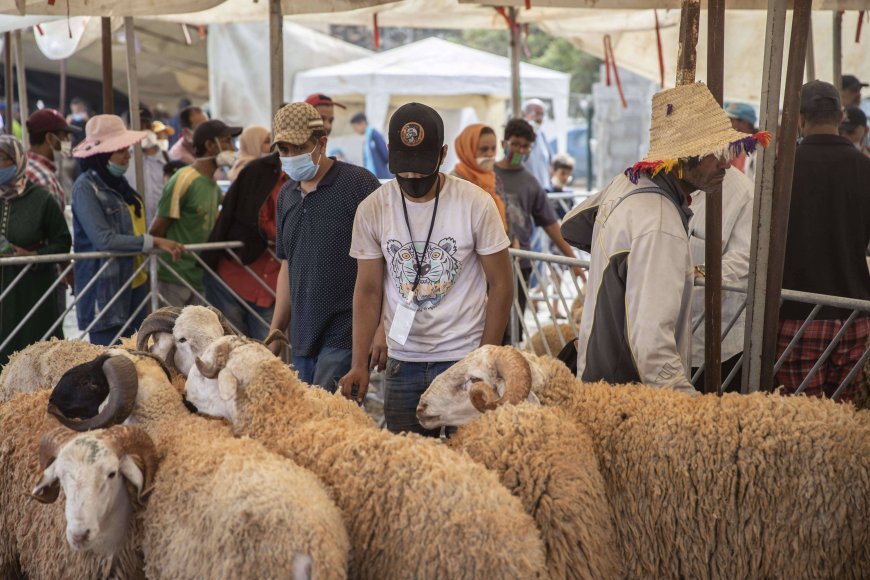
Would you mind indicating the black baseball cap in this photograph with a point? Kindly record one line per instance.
(819, 97)
(854, 118)
(851, 82)
(416, 137)
(213, 129)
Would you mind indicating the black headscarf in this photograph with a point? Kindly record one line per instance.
(100, 164)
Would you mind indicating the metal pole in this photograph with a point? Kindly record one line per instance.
(108, 87)
(811, 54)
(276, 54)
(22, 85)
(687, 55)
(763, 202)
(838, 49)
(515, 64)
(133, 92)
(62, 104)
(713, 217)
(7, 49)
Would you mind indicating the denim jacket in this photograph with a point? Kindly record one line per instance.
(102, 223)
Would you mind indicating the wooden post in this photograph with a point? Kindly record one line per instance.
(276, 54)
(837, 38)
(7, 52)
(713, 217)
(133, 93)
(811, 54)
(22, 86)
(687, 55)
(765, 307)
(516, 103)
(108, 86)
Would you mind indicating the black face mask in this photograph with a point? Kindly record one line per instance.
(417, 187)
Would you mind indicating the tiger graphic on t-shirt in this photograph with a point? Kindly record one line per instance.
(439, 270)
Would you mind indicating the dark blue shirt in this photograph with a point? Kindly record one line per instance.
(314, 233)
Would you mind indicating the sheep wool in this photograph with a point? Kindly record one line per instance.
(544, 458)
(414, 509)
(40, 365)
(556, 338)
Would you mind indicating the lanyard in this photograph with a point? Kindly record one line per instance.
(418, 258)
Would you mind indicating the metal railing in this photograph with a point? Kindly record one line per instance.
(565, 201)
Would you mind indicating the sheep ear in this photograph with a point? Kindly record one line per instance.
(533, 399)
(228, 385)
(48, 488)
(133, 474)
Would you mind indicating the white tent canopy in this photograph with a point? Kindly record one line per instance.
(441, 74)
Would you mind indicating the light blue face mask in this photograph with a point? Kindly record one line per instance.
(7, 174)
(301, 167)
(117, 170)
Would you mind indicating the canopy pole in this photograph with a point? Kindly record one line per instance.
(713, 206)
(133, 92)
(516, 105)
(22, 85)
(811, 54)
(837, 38)
(7, 50)
(770, 227)
(108, 82)
(62, 107)
(687, 56)
(276, 54)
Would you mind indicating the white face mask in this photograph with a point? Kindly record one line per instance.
(65, 149)
(485, 163)
(535, 126)
(226, 157)
(163, 144)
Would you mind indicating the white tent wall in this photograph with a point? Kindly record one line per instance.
(239, 79)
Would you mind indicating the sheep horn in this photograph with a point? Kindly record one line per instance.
(136, 443)
(161, 320)
(221, 356)
(225, 324)
(513, 367)
(276, 336)
(49, 446)
(123, 385)
(483, 397)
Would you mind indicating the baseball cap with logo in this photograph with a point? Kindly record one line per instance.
(416, 137)
(819, 97)
(318, 99)
(295, 123)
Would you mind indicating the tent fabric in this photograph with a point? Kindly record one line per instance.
(65, 8)
(666, 4)
(427, 71)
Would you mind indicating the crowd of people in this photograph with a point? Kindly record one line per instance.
(412, 274)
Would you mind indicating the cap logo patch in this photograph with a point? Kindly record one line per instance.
(412, 134)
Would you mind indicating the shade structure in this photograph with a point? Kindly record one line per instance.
(118, 8)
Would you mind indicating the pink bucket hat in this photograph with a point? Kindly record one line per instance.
(106, 134)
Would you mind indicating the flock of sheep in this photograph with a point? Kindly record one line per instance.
(195, 453)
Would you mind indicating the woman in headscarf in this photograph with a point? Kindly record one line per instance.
(476, 147)
(31, 223)
(254, 142)
(109, 216)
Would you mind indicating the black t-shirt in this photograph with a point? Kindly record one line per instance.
(828, 226)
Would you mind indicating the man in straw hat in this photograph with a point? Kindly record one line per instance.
(636, 319)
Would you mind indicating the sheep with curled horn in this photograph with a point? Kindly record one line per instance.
(540, 454)
(98, 536)
(413, 507)
(40, 365)
(719, 486)
(221, 507)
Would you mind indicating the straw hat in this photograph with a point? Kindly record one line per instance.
(106, 134)
(688, 122)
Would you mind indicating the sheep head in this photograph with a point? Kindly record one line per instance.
(487, 378)
(227, 365)
(181, 335)
(104, 474)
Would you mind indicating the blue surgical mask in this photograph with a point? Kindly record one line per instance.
(7, 174)
(301, 167)
(117, 170)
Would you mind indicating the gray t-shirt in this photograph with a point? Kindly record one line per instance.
(527, 203)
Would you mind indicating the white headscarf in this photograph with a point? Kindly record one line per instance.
(13, 148)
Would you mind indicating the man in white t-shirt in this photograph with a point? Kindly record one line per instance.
(431, 244)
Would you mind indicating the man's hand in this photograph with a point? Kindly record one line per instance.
(378, 357)
(355, 378)
(579, 272)
(19, 251)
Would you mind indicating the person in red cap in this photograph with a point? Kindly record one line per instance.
(326, 107)
(49, 138)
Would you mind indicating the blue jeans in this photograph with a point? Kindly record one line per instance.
(405, 384)
(325, 369)
(104, 337)
(238, 315)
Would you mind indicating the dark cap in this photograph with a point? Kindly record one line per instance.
(854, 118)
(416, 137)
(213, 129)
(49, 121)
(318, 99)
(851, 82)
(819, 97)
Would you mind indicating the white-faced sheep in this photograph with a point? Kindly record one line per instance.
(540, 454)
(733, 486)
(221, 507)
(413, 507)
(92, 541)
(40, 365)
